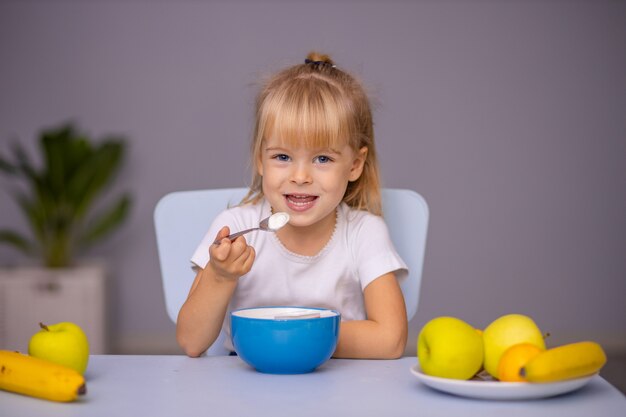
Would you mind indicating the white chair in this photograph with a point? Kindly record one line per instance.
(182, 218)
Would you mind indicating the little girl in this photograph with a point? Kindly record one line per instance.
(314, 157)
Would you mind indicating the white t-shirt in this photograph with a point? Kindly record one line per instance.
(359, 251)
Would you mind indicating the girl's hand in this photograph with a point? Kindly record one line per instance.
(230, 260)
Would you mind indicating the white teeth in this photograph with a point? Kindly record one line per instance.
(301, 200)
(299, 203)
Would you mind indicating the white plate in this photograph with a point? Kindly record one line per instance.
(495, 390)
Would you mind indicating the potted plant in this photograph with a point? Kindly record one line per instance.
(60, 196)
(58, 201)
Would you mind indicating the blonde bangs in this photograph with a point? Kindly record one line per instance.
(308, 114)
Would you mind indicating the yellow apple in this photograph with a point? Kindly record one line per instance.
(506, 331)
(63, 343)
(448, 347)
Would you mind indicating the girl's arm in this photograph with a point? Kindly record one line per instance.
(200, 318)
(383, 335)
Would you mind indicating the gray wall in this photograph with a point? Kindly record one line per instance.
(509, 117)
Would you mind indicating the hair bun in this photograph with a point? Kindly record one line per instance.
(319, 59)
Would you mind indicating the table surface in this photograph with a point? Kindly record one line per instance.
(225, 386)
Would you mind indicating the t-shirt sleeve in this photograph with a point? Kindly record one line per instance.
(375, 252)
(200, 257)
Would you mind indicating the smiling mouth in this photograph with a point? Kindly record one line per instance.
(300, 202)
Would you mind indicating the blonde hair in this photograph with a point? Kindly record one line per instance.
(315, 104)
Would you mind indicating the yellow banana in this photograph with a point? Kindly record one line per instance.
(569, 361)
(28, 375)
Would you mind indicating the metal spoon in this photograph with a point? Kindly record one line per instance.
(268, 224)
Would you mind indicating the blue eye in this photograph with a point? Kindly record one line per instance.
(281, 157)
(323, 159)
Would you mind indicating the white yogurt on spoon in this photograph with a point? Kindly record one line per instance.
(277, 220)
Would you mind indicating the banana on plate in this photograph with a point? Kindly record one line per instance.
(564, 362)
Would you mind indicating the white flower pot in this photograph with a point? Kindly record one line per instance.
(29, 295)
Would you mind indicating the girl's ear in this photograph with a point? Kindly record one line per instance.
(357, 164)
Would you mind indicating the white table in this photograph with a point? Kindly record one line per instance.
(173, 386)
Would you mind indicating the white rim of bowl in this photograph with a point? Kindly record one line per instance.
(284, 313)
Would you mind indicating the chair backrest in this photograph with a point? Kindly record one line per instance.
(182, 218)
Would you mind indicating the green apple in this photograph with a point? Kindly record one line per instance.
(63, 343)
(448, 347)
(505, 332)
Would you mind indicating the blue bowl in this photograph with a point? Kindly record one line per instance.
(285, 340)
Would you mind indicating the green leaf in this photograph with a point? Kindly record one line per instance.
(23, 162)
(6, 166)
(107, 221)
(95, 175)
(35, 214)
(53, 149)
(16, 240)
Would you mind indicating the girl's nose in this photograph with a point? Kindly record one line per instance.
(301, 174)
